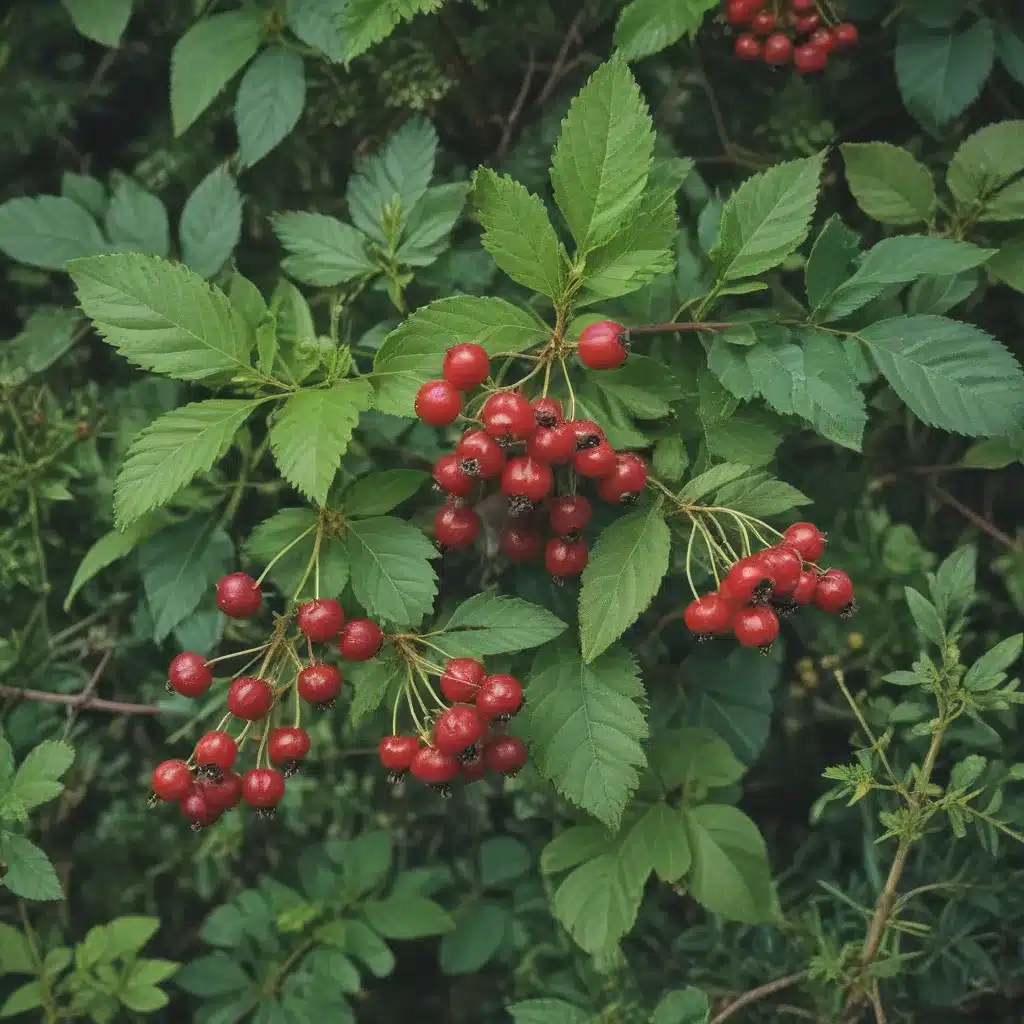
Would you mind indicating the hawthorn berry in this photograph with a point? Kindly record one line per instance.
(499, 697)
(507, 414)
(451, 478)
(319, 683)
(433, 766)
(595, 462)
(472, 771)
(569, 514)
(456, 526)
(171, 780)
(480, 455)
(458, 728)
(755, 627)
(823, 39)
(287, 746)
(461, 679)
(626, 480)
(547, 412)
(803, 592)
(250, 698)
(565, 558)
(747, 582)
(763, 23)
(238, 595)
(600, 345)
(397, 752)
(709, 615)
(784, 566)
(810, 58)
(806, 539)
(588, 434)
(552, 444)
(739, 12)
(778, 49)
(845, 35)
(438, 403)
(360, 640)
(224, 792)
(526, 479)
(520, 543)
(262, 788)
(466, 366)
(834, 592)
(197, 809)
(189, 675)
(803, 6)
(505, 755)
(747, 47)
(805, 24)
(216, 752)
(321, 619)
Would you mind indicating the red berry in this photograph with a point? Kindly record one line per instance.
(466, 366)
(845, 35)
(507, 414)
(505, 755)
(802, 6)
(778, 49)
(458, 728)
(456, 526)
(547, 411)
(520, 543)
(438, 403)
(747, 47)
(499, 697)
(625, 482)
(527, 478)
(763, 23)
(552, 444)
(434, 766)
(480, 455)
(588, 433)
(250, 698)
(708, 615)
(569, 514)
(803, 592)
(397, 752)
(171, 780)
(287, 744)
(262, 788)
(834, 592)
(739, 12)
(461, 679)
(748, 581)
(360, 639)
(472, 771)
(216, 750)
(806, 539)
(565, 558)
(319, 683)
(804, 24)
(224, 792)
(321, 619)
(197, 809)
(595, 462)
(755, 627)
(823, 39)
(238, 595)
(600, 346)
(189, 674)
(452, 478)
(784, 567)
(809, 59)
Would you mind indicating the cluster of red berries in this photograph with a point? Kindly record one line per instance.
(465, 740)
(790, 32)
(531, 451)
(774, 582)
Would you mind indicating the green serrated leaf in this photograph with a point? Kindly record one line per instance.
(925, 615)
(659, 831)
(760, 495)
(711, 480)
(831, 261)
(644, 385)
(103, 21)
(29, 872)
(490, 623)
(211, 223)
(371, 681)
(649, 26)
(323, 251)
(136, 221)
(36, 780)
(985, 174)
(48, 231)
(378, 493)
(270, 100)
(366, 22)
(889, 183)
(429, 224)
(293, 528)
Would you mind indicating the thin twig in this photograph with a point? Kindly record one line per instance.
(683, 325)
(85, 695)
(517, 110)
(558, 68)
(755, 995)
(113, 707)
(973, 517)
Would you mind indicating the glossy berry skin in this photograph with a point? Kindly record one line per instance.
(803, 6)
(171, 780)
(250, 698)
(224, 792)
(810, 59)
(569, 514)
(565, 558)
(480, 455)
(458, 728)
(217, 750)
(472, 771)
(747, 581)
(262, 788)
(521, 543)
(552, 444)
(600, 345)
(739, 12)
(805, 24)
(845, 35)
(763, 23)
(319, 683)
(466, 366)
(527, 478)
(189, 674)
(238, 595)
(461, 679)
(755, 627)
(434, 766)
(547, 412)
(456, 526)
(197, 809)
(505, 755)
(709, 615)
(507, 414)
(287, 744)
(588, 433)
(438, 403)
(452, 478)
(321, 619)
(747, 47)
(806, 539)
(823, 39)
(778, 49)
(360, 640)
(784, 567)
(499, 697)
(625, 481)
(803, 592)
(834, 592)
(396, 752)
(595, 462)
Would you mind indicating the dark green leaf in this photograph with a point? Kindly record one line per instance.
(48, 333)
(426, 232)
(985, 174)
(648, 26)
(888, 183)
(479, 933)
(136, 220)
(323, 251)
(372, 680)
(270, 99)
(48, 231)
(548, 1011)
(213, 975)
(831, 260)
(211, 223)
(103, 21)
(407, 916)
(503, 859)
(378, 493)
(365, 22)
(491, 623)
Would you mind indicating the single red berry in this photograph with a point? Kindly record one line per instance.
(499, 697)
(197, 809)
(319, 683)
(805, 24)
(626, 480)
(250, 698)
(434, 766)
(784, 566)
(823, 39)
(438, 403)
(458, 728)
(803, 592)
(466, 366)
(778, 49)
(803, 6)
(397, 752)
(834, 592)
(223, 792)
(262, 788)
(189, 674)
(708, 615)
(472, 771)
(461, 679)
(452, 478)
(806, 539)
(505, 755)
(521, 543)
(552, 444)
(565, 558)
(845, 35)
(216, 750)
(739, 12)
(171, 780)
(747, 47)
(238, 595)
(809, 59)
(321, 619)
(600, 346)
(527, 478)
(507, 414)
(755, 627)
(360, 640)
(763, 23)
(748, 582)
(480, 455)
(595, 462)
(456, 526)
(287, 744)
(732, 599)
(547, 411)
(588, 434)
(569, 514)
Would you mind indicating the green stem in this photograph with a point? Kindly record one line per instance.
(284, 551)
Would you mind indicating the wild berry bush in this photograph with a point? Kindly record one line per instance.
(510, 511)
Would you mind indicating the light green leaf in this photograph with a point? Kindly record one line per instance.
(129, 934)
(363, 943)
(48, 333)
(990, 669)
(15, 951)
(172, 450)
(285, 528)
(603, 156)
(490, 623)
(952, 375)
(479, 933)
(751, 436)
(518, 234)
(889, 183)
(269, 104)
(36, 780)
(648, 26)
(407, 916)
(670, 459)
(985, 174)
(429, 225)
(760, 495)
(161, 316)
(924, 615)
(378, 493)
(103, 21)
(213, 975)
(108, 549)
(644, 385)
(211, 223)
(682, 1006)
(548, 1011)
(366, 22)
(624, 573)
(142, 998)
(136, 221)
(831, 261)
(372, 680)
(29, 871)
(207, 57)
(47, 231)
(694, 758)
(26, 997)
(710, 480)
(572, 847)
(659, 832)
(324, 251)
(87, 191)
(312, 432)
